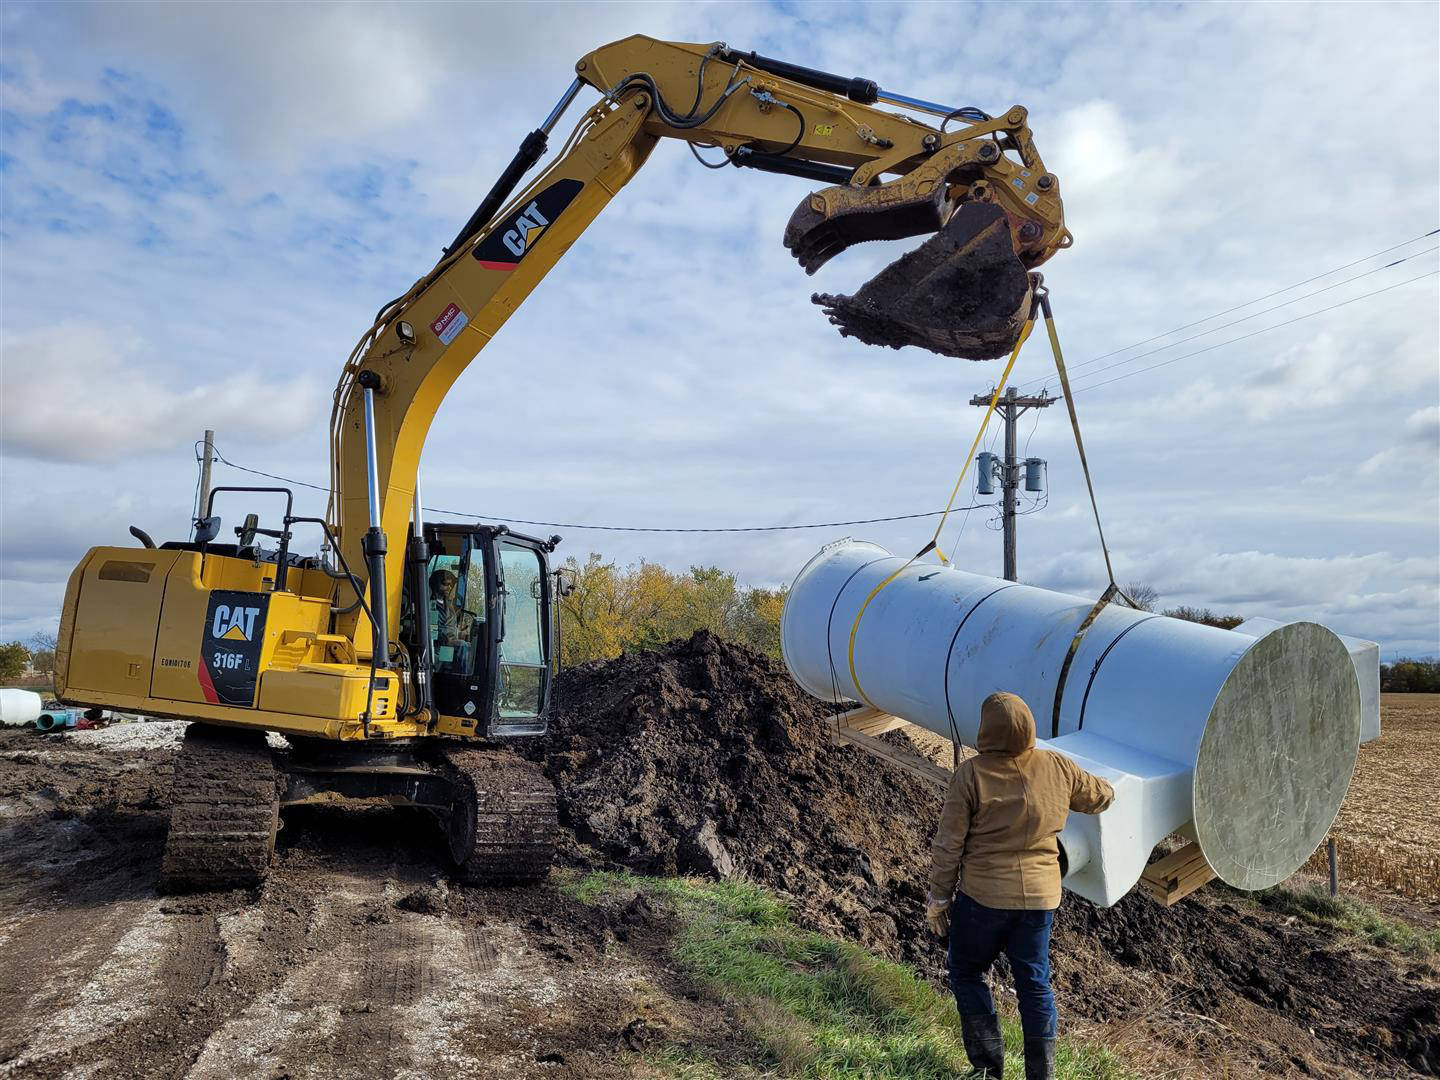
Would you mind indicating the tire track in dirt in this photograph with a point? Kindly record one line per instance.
(89, 992)
(88, 988)
(395, 969)
(328, 971)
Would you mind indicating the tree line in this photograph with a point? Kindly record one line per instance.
(1146, 598)
(608, 609)
(1409, 676)
(17, 657)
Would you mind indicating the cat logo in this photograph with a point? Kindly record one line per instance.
(514, 238)
(527, 225)
(229, 668)
(234, 623)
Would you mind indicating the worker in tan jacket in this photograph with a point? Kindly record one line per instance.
(997, 838)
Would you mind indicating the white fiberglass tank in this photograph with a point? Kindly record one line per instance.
(1245, 743)
(19, 707)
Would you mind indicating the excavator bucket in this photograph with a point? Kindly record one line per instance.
(963, 293)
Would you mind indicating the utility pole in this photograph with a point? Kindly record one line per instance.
(1010, 407)
(206, 462)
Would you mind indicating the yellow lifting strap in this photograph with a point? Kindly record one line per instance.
(934, 543)
(1112, 590)
(1044, 298)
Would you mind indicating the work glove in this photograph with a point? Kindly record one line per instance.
(937, 915)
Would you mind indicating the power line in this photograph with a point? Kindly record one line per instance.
(1256, 300)
(1247, 318)
(1253, 333)
(976, 506)
(617, 528)
(735, 529)
(269, 476)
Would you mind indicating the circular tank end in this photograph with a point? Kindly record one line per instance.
(1277, 755)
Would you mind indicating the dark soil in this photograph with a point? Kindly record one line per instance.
(355, 959)
(962, 293)
(654, 753)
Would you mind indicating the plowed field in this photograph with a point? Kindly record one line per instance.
(1388, 831)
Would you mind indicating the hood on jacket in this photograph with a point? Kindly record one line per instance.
(1006, 726)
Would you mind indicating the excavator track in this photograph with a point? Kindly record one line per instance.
(224, 813)
(503, 821)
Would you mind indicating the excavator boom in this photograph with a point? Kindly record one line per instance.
(973, 183)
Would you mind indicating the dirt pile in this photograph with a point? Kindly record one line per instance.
(704, 757)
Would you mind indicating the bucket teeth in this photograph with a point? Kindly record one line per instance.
(835, 218)
(962, 293)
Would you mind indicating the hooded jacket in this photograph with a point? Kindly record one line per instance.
(1003, 811)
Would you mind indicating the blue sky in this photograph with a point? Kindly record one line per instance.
(204, 205)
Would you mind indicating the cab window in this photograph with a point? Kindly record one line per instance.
(457, 610)
(524, 663)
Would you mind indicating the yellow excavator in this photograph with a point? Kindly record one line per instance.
(397, 660)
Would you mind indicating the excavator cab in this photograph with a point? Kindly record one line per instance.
(488, 625)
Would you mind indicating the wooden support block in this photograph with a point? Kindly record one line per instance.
(1177, 875)
(908, 760)
(869, 721)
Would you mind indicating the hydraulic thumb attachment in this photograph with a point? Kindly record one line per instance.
(966, 291)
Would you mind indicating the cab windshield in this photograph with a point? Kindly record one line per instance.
(523, 660)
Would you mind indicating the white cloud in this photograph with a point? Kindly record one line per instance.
(77, 392)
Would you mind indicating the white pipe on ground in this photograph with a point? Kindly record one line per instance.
(1246, 743)
(19, 707)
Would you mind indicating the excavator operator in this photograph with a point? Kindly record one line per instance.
(450, 624)
(997, 838)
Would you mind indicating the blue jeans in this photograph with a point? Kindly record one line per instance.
(977, 936)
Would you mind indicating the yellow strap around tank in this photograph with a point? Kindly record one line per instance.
(934, 543)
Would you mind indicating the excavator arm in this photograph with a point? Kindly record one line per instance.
(979, 187)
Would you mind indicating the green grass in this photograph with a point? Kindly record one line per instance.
(819, 1007)
(1316, 905)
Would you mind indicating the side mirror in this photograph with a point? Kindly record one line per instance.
(206, 529)
(246, 532)
(565, 580)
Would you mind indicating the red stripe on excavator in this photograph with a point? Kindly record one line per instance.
(497, 265)
(203, 674)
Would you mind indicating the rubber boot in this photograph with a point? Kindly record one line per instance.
(983, 1045)
(1039, 1059)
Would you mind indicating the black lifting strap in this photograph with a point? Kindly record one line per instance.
(1112, 590)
